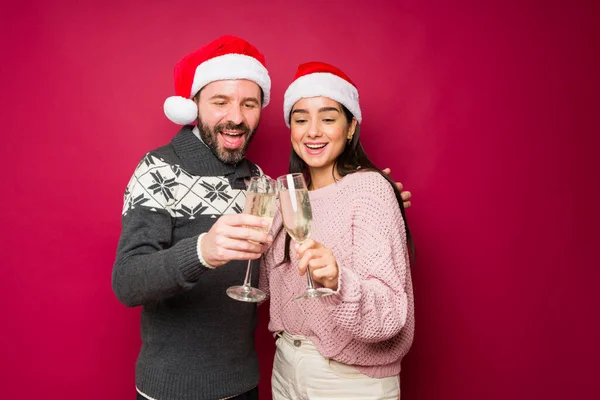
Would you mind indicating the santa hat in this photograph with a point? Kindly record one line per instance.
(315, 79)
(227, 57)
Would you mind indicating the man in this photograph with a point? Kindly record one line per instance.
(182, 219)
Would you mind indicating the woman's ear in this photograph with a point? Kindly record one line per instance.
(352, 129)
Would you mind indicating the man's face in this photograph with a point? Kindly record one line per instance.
(228, 115)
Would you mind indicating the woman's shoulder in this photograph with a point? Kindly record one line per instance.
(370, 187)
(355, 185)
(368, 180)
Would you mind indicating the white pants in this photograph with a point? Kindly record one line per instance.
(300, 372)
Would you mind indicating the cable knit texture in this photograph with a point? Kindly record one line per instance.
(369, 321)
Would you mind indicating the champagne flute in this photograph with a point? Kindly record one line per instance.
(297, 220)
(260, 201)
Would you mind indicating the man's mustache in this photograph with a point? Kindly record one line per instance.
(245, 129)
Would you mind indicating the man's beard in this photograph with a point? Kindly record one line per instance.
(228, 156)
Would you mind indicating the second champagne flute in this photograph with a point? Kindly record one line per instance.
(260, 201)
(297, 220)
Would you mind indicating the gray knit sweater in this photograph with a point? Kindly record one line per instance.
(197, 343)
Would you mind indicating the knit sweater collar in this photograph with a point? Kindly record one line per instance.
(199, 160)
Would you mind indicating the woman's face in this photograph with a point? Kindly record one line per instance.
(319, 131)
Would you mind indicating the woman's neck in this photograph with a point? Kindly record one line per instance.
(321, 177)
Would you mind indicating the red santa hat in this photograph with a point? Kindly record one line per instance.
(227, 57)
(315, 79)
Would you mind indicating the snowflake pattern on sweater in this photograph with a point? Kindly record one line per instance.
(159, 185)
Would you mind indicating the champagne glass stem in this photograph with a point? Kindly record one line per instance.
(248, 274)
(311, 292)
(309, 278)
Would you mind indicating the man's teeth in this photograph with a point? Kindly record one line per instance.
(316, 146)
(231, 133)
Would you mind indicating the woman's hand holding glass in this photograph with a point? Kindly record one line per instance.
(296, 211)
(323, 265)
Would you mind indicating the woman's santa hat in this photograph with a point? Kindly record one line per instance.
(316, 79)
(227, 57)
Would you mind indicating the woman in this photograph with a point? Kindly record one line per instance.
(348, 345)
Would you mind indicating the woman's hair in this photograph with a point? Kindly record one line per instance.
(353, 159)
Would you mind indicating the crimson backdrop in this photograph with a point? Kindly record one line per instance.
(487, 111)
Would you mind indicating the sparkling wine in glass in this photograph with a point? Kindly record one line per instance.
(297, 220)
(260, 201)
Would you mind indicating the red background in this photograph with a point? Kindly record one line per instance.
(487, 111)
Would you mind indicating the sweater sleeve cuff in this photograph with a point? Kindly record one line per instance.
(187, 260)
(199, 253)
(348, 289)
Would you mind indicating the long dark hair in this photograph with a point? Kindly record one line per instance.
(353, 159)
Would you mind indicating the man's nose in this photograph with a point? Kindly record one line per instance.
(235, 115)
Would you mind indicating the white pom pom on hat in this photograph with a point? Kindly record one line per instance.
(227, 57)
(180, 110)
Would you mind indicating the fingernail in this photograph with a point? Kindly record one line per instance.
(265, 222)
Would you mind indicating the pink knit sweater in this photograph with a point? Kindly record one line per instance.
(369, 322)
